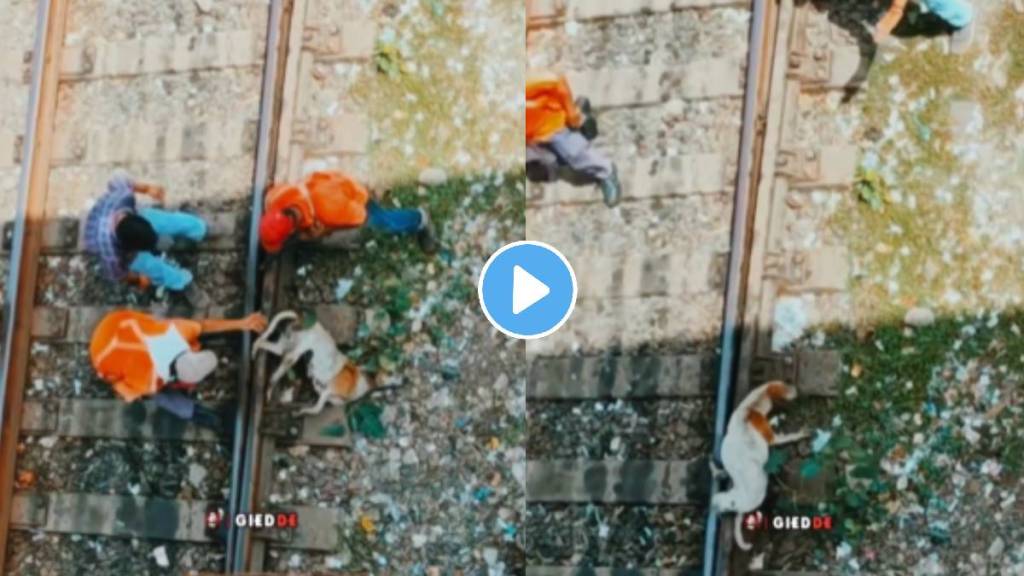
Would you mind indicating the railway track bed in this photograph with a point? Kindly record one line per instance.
(751, 119)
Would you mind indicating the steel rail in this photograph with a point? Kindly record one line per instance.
(17, 308)
(28, 146)
(713, 563)
(245, 449)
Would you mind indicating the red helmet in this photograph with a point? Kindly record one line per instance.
(275, 229)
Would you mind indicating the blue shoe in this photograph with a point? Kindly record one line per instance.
(611, 189)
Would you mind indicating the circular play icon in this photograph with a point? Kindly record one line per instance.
(527, 289)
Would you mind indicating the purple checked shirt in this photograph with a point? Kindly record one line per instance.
(99, 226)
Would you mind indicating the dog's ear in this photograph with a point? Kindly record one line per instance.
(308, 318)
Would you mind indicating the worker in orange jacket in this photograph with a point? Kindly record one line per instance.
(143, 356)
(557, 133)
(328, 201)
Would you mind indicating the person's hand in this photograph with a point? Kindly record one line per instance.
(255, 322)
(575, 121)
(138, 281)
(317, 230)
(157, 193)
(880, 35)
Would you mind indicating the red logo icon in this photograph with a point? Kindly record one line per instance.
(214, 518)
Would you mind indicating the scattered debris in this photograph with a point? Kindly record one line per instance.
(433, 177)
(343, 288)
(196, 474)
(995, 550)
(821, 439)
(365, 418)
(367, 524)
(160, 556)
(789, 323)
(919, 317)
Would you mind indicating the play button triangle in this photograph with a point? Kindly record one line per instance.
(526, 290)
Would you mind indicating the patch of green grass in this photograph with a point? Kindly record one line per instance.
(919, 383)
(396, 277)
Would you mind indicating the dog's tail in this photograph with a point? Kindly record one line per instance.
(737, 529)
(289, 315)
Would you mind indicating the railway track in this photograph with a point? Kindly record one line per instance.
(244, 94)
(284, 151)
(621, 398)
(83, 471)
(354, 493)
(637, 376)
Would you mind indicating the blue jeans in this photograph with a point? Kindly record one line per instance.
(957, 12)
(174, 225)
(393, 220)
(174, 402)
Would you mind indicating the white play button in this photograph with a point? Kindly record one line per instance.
(526, 290)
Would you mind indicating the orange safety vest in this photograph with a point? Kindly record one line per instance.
(330, 198)
(549, 106)
(121, 356)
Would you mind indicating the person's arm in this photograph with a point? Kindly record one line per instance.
(890, 20)
(253, 322)
(572, 114)
(152, 190)
(123, 389)
(138, 280)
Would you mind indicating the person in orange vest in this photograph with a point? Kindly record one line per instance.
(142, 356)
(557, 133)
(327, 201)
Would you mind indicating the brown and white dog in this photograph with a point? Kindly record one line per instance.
(336, 378)
(745, 452)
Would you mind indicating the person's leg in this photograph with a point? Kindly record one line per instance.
(161, 272)
(175, 224)
(394, 220)
(175, 403)
(573, 149)
(541, 164)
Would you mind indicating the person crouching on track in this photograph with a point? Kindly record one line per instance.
(126, 237)
(559, 133)
(143, 356)
(328, 201)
